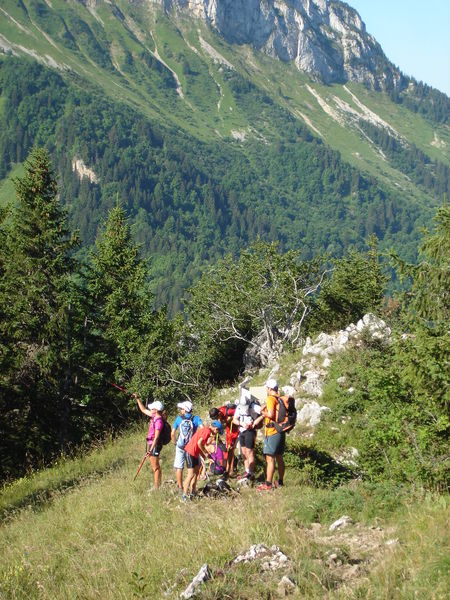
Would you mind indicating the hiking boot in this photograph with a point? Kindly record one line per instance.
(264, 488)
(243, 476)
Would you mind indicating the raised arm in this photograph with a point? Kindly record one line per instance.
(142, 408)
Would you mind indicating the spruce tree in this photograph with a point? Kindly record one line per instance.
(119, 320)
(35, 293)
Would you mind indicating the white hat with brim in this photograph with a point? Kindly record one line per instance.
(156, 405)
(186, 405)
(272, 384)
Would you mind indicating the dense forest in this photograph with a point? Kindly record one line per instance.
(70, 328)
(191, 201)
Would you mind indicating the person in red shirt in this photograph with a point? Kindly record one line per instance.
(195, 448)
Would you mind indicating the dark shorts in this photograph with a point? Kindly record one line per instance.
(274, 445)
(247, 438)
(190, 461)
(156, 450)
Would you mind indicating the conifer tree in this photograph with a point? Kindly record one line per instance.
(120, 317)
(422, 354)
(35, 294)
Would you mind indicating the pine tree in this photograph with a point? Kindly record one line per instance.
(120, 318)
(422, 354)
(35, 294)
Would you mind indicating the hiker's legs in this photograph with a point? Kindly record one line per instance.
(279, 457)
(179, 478)
(247, 440)
(193, 466)
(187, 481)
(247, 458)
(281, 467)
(273, 449)
(194, 479)
(154, 461)
(230, 461)
(270, 470)
(178, 466)
(251, 462)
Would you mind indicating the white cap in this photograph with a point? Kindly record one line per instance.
(186, 405)
(272, 384)
(156, 405)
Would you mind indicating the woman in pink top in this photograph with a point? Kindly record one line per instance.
(154, 411)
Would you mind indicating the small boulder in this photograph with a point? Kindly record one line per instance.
(203, 575)
(285, 587)
(344, 521)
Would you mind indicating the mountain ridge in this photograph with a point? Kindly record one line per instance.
(324, 39)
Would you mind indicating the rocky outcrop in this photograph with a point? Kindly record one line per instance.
(268, 560)
(311, 371)
(306, 382)
(83, 171)
(326, 39)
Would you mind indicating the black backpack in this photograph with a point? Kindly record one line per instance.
(165, 435)
(255, 415)
(287, 414)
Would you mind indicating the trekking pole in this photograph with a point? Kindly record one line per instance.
(141, 465)
(119, 388)
(107, 381)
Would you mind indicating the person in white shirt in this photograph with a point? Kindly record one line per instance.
(248, 417)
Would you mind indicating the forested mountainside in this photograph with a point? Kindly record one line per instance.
(207, 141)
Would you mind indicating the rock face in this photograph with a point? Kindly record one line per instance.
(325, 38)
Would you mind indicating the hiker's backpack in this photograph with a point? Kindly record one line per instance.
(166, 431)
(254, 415)
(228, 410)
(286, 414)
(186, 431)
(218, 459)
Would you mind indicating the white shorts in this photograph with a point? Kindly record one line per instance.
(179, 458)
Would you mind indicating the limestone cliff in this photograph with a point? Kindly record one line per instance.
(325, 38)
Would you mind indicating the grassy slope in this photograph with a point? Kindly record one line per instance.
(84, 529)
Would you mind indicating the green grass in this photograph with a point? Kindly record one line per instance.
(84, 529)
(7, 191)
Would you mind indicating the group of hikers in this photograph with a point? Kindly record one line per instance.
(199, 447)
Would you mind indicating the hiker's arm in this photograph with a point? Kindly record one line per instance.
(142, 408)
(270, 414)
(235, 420)
(173, 436)
(257, 421)
(202, 448)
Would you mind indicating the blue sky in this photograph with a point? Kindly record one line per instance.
(414, 34)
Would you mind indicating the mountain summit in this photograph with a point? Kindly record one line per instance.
(324, 38)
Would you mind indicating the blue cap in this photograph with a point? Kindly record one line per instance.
(219, 425)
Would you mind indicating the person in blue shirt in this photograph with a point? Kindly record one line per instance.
(185, 425)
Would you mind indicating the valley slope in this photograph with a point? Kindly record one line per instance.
(210, 143)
